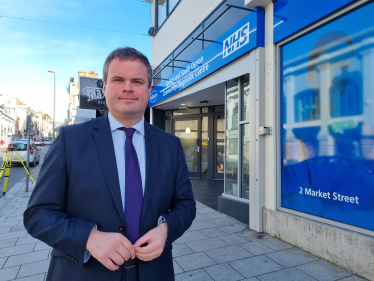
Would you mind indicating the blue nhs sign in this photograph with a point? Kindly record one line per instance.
(244, 36)
(237, 40)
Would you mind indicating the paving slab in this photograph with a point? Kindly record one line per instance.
(291, 257)
(202, 217)
(233, 228)
(223, 272)
(190, 236)
(5, 229)
(26, 258)
(2, 261)
(33, 268)
(8, 223)
(227, 254)
(205, 210)
(8, 273)
(232, 239)
(26, 240)
(353, 278)
(256, 248)
(196, 275)
(324, 271)
(18, 228)
(38, 277)
(41, 246)
(194, 261)
(16, 250)
(254, 266)
(274, 243)
(206, 244)
(212, 232)
(217, 215)
(181, 250)
(11, 235)
(177, 268)
(7, 243)
(289, 274)
(224, 221)
(202, 225)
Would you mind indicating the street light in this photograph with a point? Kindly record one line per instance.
(54, 106)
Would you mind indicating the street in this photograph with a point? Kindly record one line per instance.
(17, 171)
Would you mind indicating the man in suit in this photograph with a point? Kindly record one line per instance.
(113, 193)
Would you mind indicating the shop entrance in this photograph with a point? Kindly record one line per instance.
(203, 141)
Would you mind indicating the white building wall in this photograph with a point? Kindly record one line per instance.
(183, 20)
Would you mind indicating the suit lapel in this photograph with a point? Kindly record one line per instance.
(151, 154)
(105, 148)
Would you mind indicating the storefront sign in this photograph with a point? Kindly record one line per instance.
(291, 16)
(91, 94)
(327, 165)
(246, 35)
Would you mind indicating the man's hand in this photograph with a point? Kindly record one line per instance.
(155, 239)
(111, 249)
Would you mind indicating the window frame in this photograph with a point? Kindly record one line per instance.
(168, 13)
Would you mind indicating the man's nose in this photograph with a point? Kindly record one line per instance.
(127, 87)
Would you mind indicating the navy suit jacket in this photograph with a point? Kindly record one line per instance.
(78, 188)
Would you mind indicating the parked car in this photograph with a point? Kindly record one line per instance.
(47, 141)
(38, 142)
(21, 147)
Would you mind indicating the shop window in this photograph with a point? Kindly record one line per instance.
(245, 98)
(231, 157)
(327, 127)
(204, 110)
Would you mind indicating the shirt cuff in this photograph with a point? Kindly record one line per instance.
(161, 219)
(87, 254)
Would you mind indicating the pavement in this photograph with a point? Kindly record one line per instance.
(216, 247)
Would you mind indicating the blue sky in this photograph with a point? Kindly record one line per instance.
(28, 48)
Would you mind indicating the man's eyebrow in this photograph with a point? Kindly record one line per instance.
(138, 78)
(117, 76)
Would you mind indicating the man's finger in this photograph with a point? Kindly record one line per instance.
(108, 263)
(142, 240)
(127, 244)
(150, 248)
(123, 252)
(117, 258)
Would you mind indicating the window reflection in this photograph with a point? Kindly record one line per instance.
(328, 119)
(231, 157)
(162, 12)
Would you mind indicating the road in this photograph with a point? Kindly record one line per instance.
(17, 171)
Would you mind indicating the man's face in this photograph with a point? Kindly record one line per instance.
(126, 90)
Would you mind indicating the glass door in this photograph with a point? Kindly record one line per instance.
(219, 147)
(188, 132)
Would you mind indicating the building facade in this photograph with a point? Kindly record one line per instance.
(274, 100)
(75, 114)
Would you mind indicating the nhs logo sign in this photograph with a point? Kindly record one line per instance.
(236, 40)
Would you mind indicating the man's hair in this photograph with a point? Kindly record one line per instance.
(127, 53)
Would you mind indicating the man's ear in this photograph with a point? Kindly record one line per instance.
(104, 87)
(150, 91)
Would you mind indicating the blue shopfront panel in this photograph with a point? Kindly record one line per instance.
(327, 120)
(291, 16)
(243, 37)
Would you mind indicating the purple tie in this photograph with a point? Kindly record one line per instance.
(133, 189)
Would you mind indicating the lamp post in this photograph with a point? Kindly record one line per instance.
(54, 106)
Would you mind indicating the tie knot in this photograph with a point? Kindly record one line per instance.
(129, 131)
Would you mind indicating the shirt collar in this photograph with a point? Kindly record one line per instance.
(115, 124)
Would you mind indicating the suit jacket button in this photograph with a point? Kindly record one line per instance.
(121, 228)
